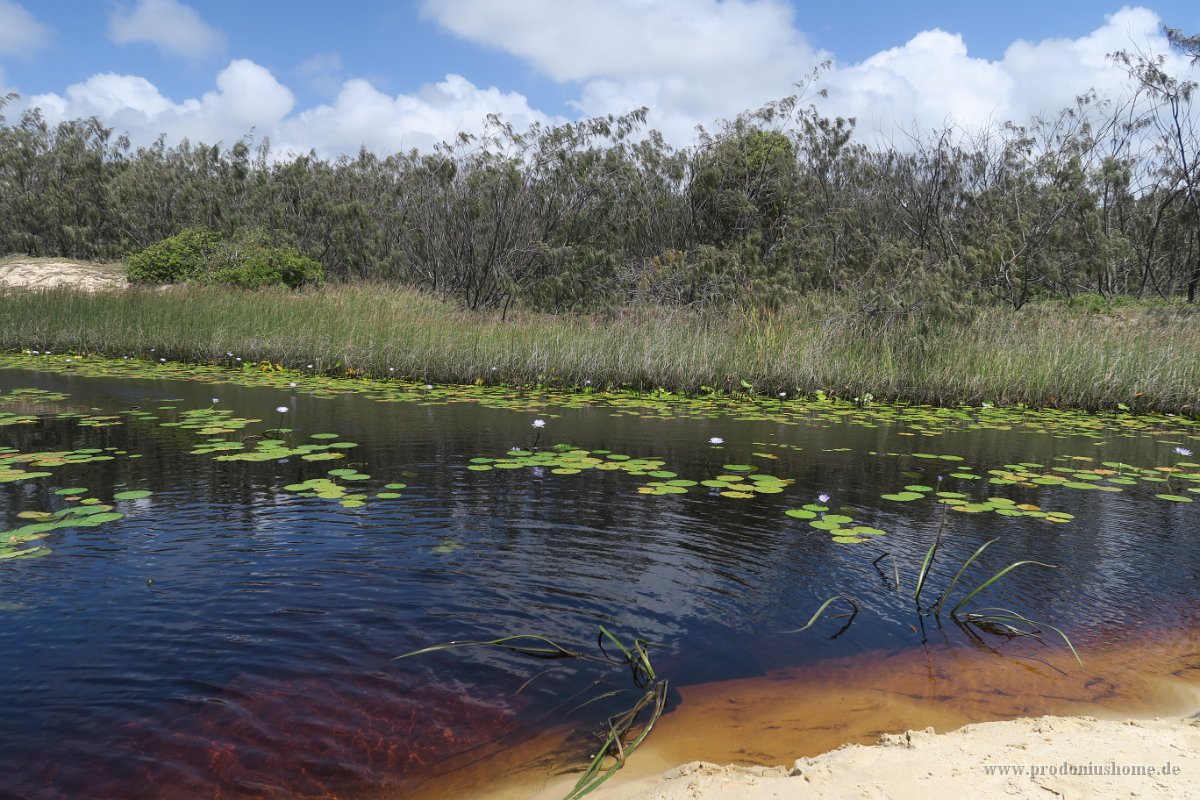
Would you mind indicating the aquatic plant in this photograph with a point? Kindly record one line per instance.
(624, 732)
(999, 621)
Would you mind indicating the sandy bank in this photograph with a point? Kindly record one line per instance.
(1069, 757)
(44, 273)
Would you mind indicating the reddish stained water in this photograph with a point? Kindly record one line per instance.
(305, 738)
(101, 669)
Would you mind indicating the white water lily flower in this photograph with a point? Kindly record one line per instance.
(716, 440)
(539, 423)
(216, 400)
(281, 409)
(1183, 451)
(824, 498)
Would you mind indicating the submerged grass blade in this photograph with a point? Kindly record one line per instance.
(937, 608)
(824, 606)
(928, 562)
(620, 726)
(655, 699)
(994, 578)
(986, 614)
(546, 649)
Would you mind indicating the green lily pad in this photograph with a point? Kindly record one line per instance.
(903, 497)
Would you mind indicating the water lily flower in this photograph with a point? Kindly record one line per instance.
(824, 498)
(162, 361)
(308, 366)
(783, 394)
(1183, 451)
(216, 400)
(428, 386)
(539, 423)
(716, 440)
(292, 384)
(281, 409)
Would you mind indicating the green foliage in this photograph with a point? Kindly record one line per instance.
(177, 258)
(1101, 200)
(249, 261)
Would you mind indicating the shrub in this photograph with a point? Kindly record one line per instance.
(251, 260)
(176, 258)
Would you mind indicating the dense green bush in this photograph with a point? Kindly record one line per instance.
(176, 258)
(251, 260)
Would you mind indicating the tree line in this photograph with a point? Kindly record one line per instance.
(1100, 200)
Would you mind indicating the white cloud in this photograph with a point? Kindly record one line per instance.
(246, 97)
(730, 56)
(363, 116)
(932, 80)
(696, 61)
(627, 38)
(174, 28)
(690, 61)
(20, 33)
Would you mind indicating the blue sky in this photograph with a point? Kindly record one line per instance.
(393, 75)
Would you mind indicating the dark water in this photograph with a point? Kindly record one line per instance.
(230, 639)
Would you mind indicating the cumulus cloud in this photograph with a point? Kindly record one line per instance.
(20, 33)
(696, 61)
(689, 61)
(363, 116)
(171, 26)
(932, 79)
(247, 96)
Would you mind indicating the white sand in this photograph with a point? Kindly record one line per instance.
(52, 274)
(1161, 759)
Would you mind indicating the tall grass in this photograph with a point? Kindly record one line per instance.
(1147, 358)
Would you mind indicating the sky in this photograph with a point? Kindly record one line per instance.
(391, 76)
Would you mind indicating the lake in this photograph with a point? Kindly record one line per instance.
(193, 605)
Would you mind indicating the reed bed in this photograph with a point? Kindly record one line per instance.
(1147, 358)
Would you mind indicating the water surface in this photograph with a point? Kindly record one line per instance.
(230, 638)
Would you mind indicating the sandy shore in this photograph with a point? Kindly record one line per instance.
(1132, 706)
(1068, 757)
(49, 273)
